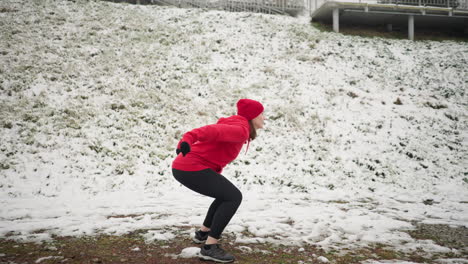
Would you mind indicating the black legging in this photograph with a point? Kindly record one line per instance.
(209, 183)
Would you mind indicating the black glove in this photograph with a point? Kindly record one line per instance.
(184, 148)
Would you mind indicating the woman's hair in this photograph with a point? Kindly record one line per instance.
(253, 132)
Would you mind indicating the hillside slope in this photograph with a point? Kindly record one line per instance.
(95, 95)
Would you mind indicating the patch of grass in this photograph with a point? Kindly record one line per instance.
(7, 10)
(322, 27)
(132, 248)
(99, 249)
(338, 201)
(375, 252)
(381, 32)
(444, 235)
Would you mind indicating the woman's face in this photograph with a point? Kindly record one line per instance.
(258, 121)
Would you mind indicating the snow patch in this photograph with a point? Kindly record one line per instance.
(39, 260)
(323, 259)
(189, 252)
(151, 236)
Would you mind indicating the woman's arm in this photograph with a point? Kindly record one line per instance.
(217, 132)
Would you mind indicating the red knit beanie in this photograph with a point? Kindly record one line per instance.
(249, 109)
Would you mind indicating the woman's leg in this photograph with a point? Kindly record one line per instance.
(211, 212)
(205, 229)
(227, 197)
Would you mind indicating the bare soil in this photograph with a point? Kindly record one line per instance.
(121, 249)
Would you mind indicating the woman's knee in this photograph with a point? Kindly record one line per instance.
(237, 197)
(232, 195)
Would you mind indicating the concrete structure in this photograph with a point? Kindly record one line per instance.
(336, 20)
(411, 27)
(443, 14)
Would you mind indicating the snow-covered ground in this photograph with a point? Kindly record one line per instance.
(364, 136)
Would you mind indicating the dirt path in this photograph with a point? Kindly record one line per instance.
(132, 248)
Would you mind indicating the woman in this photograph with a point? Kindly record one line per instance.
(202, 154)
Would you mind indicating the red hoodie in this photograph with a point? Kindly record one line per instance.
(213, 146)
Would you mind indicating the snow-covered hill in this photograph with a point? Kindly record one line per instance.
(95, 95)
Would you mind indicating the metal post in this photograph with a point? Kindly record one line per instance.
(336, 20)
(389, 27)
(411, 27)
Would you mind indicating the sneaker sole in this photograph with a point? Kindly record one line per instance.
(207, 258)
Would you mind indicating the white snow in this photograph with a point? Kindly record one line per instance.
(245, 248)
(39, 260)
(190, 252)
(323, 259)
(156, 235)
(95, 95)
(387, 262)
(452, 261)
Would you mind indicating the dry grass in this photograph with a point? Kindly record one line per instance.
(120, 249)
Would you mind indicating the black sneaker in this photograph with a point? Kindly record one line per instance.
(215, 253)
(200, 237)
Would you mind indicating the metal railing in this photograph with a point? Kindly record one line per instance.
(455, 4)
(263, 6)
(437, 3)
(293, 7)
